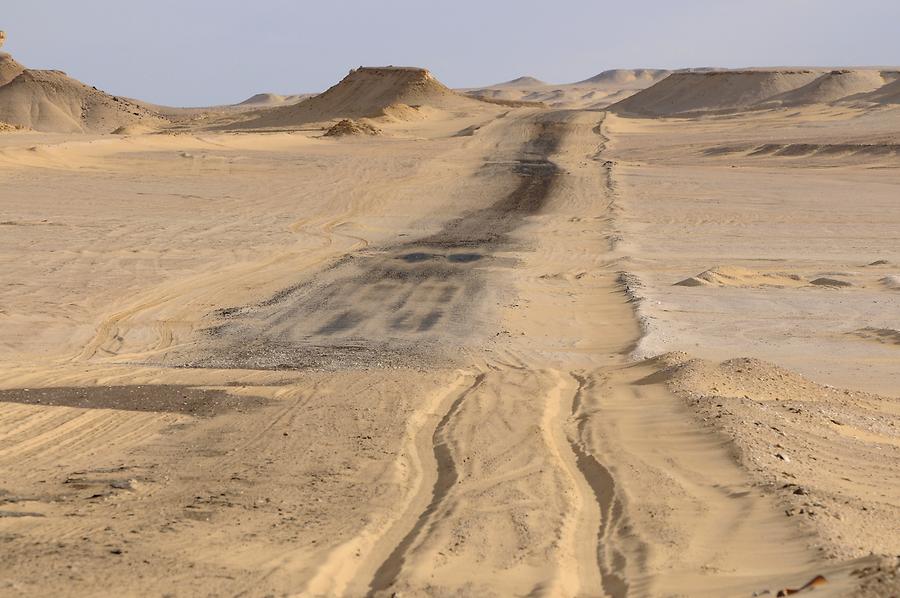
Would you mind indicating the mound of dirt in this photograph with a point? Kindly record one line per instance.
(351, 127)
(370, 92)
(51, 101)
(716, 91)
(9, 69)
(735, 276)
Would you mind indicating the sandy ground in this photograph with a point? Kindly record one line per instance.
(280, 364)
(700, 195)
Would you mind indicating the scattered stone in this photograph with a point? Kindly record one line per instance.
(351, 127)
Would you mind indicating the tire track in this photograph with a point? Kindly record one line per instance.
(447, 475)
(603, 485)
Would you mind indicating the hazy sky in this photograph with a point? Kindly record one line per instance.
(200, 52)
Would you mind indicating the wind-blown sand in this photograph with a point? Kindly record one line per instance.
(491, 350)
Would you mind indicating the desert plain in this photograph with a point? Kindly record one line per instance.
(633, 336)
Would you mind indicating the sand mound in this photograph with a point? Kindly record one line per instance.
(735, 276)
(351, 127)
(9, 69)
(521, 82)
(53, 102)
(734, 378)
(691, 92)
(369, 92)
(263, 99)
(623, 77)
(892, 282)
(832, 87)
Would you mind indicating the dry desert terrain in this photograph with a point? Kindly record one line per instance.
(634, 336)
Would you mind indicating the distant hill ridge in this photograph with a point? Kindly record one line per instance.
(709, 91)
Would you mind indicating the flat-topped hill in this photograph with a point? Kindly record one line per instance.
(369, 92)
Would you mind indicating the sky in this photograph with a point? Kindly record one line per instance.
(205, 52)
